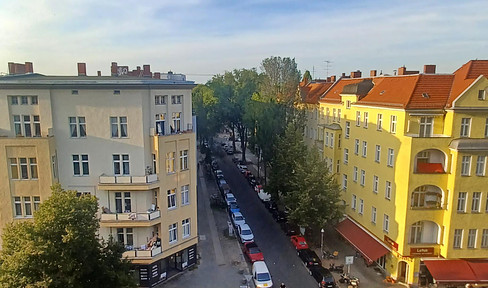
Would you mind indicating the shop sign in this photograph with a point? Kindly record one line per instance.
(422, 251)
(391, 243)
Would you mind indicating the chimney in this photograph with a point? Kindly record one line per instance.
(343, 75)
(333, 78)
(356, 74)
(328, 79)
(372, 73)
(29, 67)
(146, 71)
(402, 70)
(11, 68)
(81, 69)
(99, 73)
(429, 69)
(157, 75)
(113, 69)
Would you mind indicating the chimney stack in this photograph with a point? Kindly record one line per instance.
(328, 79)
(157, 75)
(17, 68)
(429, 69)
(333, 78)
(356, 74)
(372, 73)
(146, 71)
(402, 70)
(81, 69)
(113, 69)
(99, 73)
(343, 75)
(29, 67)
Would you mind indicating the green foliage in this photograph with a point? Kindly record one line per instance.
(205, 105)
(60, 248)
(281, 78)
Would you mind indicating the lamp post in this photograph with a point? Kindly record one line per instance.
(322, 242)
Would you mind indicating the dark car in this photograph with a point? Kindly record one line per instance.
(271, 206)
(278, 215)
(309, 258)
(323, 277)
(289, 228)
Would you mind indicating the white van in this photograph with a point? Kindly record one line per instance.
(260, 275)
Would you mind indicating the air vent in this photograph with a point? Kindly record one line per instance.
(425, 95)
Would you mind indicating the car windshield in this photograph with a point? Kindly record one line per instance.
(263, 277)
(254, 250)
(231, 199)
(238, 218)
(246, 232)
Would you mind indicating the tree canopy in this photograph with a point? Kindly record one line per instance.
(61, 247)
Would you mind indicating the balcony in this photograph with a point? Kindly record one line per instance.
(138, 253)
(127, 182)
(134, 219)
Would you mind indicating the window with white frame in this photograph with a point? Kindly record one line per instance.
(348, 104)
(24, 174)
(461, 204)
(118, 127)
(326, 139)
(27, 126)
(185, 226)
(466, 166)
(365, 119)
(361, 206)
(386, 223)
(125, 236)
(37, 125)
(365, 149)
(160, 99)
(185, 195)
(482, 94)
(331, 140)
(388, 190)
(26, 205)
(362, 180)
(353, 202)
(465, 127)
(160, 123)
(458, 238)
(123, 202)
(14, 100)
(170, 162)
(171, 198)
(377, 154)
(184, 160)
(176, 99)
(17, 125)
(425, 126)
(480, 165)
(376, 181)
(379, 122)
(339, 115)
(33, 168)
(358, 118)
(23, 168)
(176, 122)
(77, 127)
(373, 215)
(34, 100)
(484, 239)
(14, 168)
(348, 129)
(476, 202)
(173, 233)
(81, 165)
(391, 157)
(472, 233)
(18, 207)
(346, 155)
(37, 202)
(154, 166)
(356, 146)
(393, 124)
(24, 100)
(121, 164)
(344, 181)
(355, 174)
(486, 127)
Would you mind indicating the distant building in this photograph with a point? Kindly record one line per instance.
(127, 138)
(410, 153)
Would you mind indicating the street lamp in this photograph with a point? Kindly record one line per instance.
(322, 242)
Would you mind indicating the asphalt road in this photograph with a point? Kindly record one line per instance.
(279, 254)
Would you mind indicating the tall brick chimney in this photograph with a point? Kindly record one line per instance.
(81, 69)
(29, 67)
(113, 69)
(146, 71)
(372, 73)
(429, 69)
(356, 74)
(402, 70)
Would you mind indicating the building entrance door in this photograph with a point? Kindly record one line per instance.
(402, 271)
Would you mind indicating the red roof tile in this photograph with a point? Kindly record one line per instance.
(332, 95)
(311, 92)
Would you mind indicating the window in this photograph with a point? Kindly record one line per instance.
(121, 164)
(125, 236)
(393, 124)
(416, 232)
(334, 115)
(346, 155)
(74, 92)
(348, 104)
(376, 181)
(24, 100)
(184, 160)
(154, 162)
(358, 118)
(160, 99)
(27, 206)
(160, 123)
(391, 157)
(17, 125)
(361, 206)
(331, 140)
(14, 168)
(37, 126)
(77, 124)
(377, 153)
(472, 233)
(176, 99)
(355, 174)
(425, 126)
(373, 215)
(465, 127)
(33, 168)
(344, 181)
(326, 139)
(18, 207)
(185, 195)
(118, 124)
(484, 239)
(486, 127)
(348, 129)
(379, 122)
(476, 202)
(23, 206)
(356, 146)
(353, 202)
(481, 95)
(388, 190)
(339, 115)
(173, 233)
(170, 162)
(185, 225)
(176, 122)
(338, 165)
(37, 202)
(480, 166)
(172, 199)
(23, 127)
(34, 100)
(125, 201)
(27, 126)
(386, 223)
(466, 166)
(14, 100)
(23, 168)
(365, 149)
(363, 177)
(458, 238)
(116, 92)
(461, 205)
(365, 121)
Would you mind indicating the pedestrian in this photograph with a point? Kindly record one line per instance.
(282, 285)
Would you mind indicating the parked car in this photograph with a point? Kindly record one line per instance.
(323, 277)
(309, 258)
(289, 228)
(221, 182)
(225, 189)
(260, 275)
(299, 242)
(242, 168)
(219, 174)
(237, 219)
(264, 196)
(233, 207)
(270, 205)
(252, 251)
(245, 233)
(215, 165)
(229, 197)
(278, 215)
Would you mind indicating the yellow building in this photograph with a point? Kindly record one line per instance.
(410, 153)
(127, 138)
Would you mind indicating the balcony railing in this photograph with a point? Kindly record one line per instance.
(127, 179)
(134, 216)
(140, 253)
(430, 168)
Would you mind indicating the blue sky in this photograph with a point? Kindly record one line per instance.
(201, 38)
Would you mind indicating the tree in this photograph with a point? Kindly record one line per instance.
(205, 107)
(61, 247)
(281, 79)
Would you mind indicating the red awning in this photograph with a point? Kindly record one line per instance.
(367, 245)
(458, 270)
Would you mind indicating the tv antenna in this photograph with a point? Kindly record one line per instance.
(327, 68)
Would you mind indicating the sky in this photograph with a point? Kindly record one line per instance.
(201, 38)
